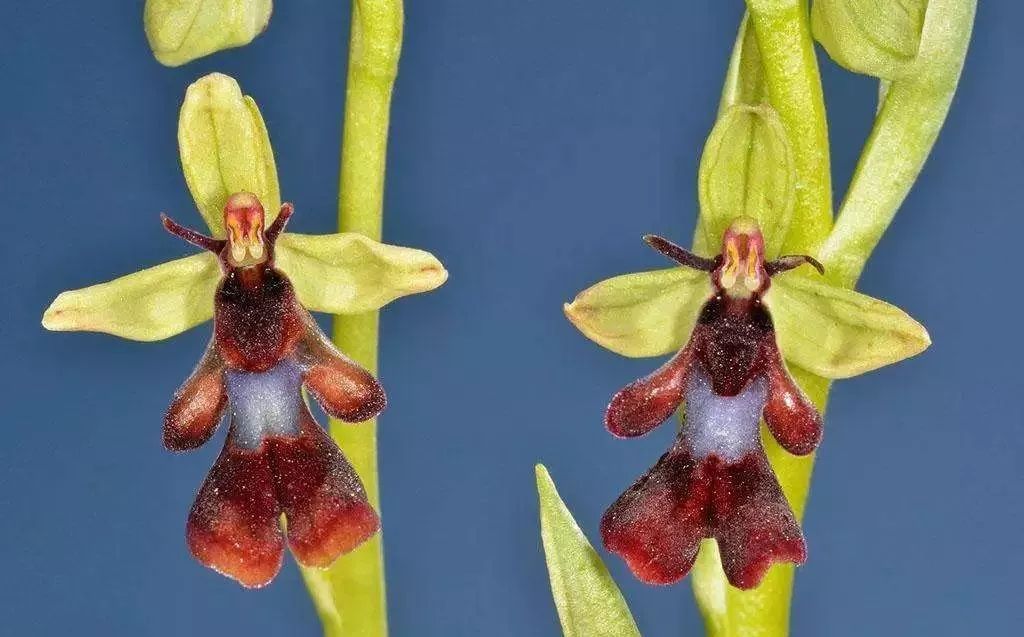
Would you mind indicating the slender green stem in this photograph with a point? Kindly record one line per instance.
(782, 62)
(350, 595)
(912, 111)
(783, 32)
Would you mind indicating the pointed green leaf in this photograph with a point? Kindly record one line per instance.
(588, 601)
(868, 36)
(149, 305)
(747, 170)
(837, 333)
(641, 314)
(180, 31)
(347, 273)
(225, 149)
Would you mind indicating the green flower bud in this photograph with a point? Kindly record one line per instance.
(868, 36)
(225, 149)
(747, 171)
(180, 31)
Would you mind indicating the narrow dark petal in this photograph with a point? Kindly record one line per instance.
(791, 417)
(321, 495)
(197, 406)
(790, 261)
(657, 525)
(233, 527)
(276, 228)
(197, 239)
(680, 255)
(646, 403)
(753, 523)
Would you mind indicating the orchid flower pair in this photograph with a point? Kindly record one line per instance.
(258, 284)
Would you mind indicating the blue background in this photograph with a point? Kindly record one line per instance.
(533, 142)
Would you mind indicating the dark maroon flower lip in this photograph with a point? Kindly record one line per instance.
(715, 481)
(276, 459)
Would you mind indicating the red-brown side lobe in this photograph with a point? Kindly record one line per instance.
(322, 497)
(646, 403)
(233, 527)
(790, 416)
(197, 406)
(344, 389)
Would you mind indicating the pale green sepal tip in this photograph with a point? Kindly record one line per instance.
(588, 601)
(641, 314)
(149, 305)
(747, 170)
(835, 332)
(180, 31)
(868, 36)
(225, 148)
(347, 273)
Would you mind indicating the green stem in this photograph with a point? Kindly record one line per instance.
(913, 110)
(790, 68)
(782, 62)
(350, 595)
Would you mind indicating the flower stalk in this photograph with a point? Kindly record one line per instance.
(350, 596)
(912, 111)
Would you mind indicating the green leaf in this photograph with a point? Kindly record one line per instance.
(747, 170)
(588, 601)
(641, 314)
(225, 149)
(347, 273)
(868, 36)
(180, 31)
(149, 305)
(837, 333)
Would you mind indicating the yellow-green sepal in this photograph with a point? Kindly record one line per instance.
(868, 36)
(835, 332)
(347, 273)
(148, 305)
(641, 314)
(588, 601)
(225, 148)
(747, 170)
(180, 31)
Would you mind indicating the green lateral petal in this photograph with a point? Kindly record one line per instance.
(180, 31)
(225, 148)
(347, 273)
(641, 314)
(747, 170)
(837, 333)
(588, 601)
(149, 305)
(868, 36)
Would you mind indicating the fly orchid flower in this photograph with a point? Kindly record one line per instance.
(731, 322)
(715, 481)
(258, 284)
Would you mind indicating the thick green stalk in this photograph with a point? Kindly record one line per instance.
(783, 33)
(912, 111)
(350, 595)
(782, 62)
